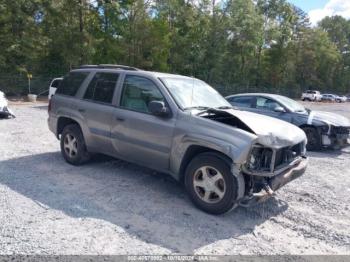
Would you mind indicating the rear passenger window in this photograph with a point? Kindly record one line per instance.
(241, 101)
(101, 87)
(71, 83)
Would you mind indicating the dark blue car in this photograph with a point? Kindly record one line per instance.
(323, 129)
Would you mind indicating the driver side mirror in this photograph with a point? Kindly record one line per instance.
(279, 109)
(158, 108)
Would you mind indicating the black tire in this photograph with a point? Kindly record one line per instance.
(234, 184)
(82, 155)
(314, 139)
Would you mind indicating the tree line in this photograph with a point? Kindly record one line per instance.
(235, 45)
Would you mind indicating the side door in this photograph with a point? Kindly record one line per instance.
(138, 135)
(96, 109)
(270, 107)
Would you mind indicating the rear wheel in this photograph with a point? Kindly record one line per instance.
(73, 146)
(313, 138)
(211, 185)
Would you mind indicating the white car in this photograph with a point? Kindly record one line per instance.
(311, 95)
(341, 99)
(5, 112)
(53, 86)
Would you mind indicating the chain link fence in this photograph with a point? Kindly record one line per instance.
(17, 85)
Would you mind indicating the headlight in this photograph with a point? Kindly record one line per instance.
(260, 158)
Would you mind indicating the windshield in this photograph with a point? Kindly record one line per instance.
(193, 93)
(292, 104)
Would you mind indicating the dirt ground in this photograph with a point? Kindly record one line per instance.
(111, 207)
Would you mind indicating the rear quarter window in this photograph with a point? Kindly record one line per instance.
(71, 83)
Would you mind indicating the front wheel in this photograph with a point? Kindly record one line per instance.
(313, 138)
(73, 146)
(211, 185)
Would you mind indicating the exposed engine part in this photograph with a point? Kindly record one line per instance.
(260, 159)
(226, 118)
(267, 188)
(266, 160)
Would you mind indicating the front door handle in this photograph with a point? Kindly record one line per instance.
(81, 110)
(120, 119)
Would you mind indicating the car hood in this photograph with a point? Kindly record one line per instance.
(328, 118)
(271, 132)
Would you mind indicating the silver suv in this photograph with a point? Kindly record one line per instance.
(177, 125)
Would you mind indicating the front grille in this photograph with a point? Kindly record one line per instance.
(267, 160)
(287, 155)
(341, 130)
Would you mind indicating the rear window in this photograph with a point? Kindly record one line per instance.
(71, 83)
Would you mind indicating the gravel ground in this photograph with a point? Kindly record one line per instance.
(112, 207)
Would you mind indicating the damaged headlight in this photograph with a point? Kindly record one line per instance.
(264, 159)
(260, 158)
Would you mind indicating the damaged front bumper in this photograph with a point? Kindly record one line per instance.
(272, 184)
(336, 137)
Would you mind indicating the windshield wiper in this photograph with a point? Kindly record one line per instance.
(207, 108)
(224, 107)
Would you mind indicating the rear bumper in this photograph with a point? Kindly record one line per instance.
(52, 124)
(276, 183)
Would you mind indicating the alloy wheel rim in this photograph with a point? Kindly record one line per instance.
(209, 184)
(70, 145)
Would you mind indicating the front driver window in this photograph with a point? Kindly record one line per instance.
(266, 104)
(138, 92)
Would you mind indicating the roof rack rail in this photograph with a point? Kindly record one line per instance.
(110, 66)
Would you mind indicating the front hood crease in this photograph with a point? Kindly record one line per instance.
(271, 132)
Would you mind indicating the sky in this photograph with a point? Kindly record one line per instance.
(318, 9)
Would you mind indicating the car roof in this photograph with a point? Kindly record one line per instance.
(133, 70)
(267, 95)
